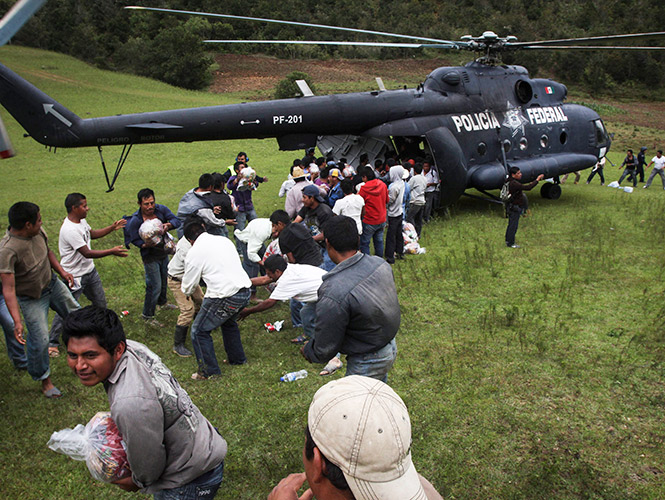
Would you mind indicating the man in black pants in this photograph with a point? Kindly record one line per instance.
(517, 203)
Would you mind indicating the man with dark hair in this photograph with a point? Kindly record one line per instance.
(76, 257)
(432, 177)
(658, 163)
(517, 203)
(172, 449)
(295, 241)
(641, 162)
(375, 194)
(348, 451)
(357, 312)
(630, 162)
(154, 256)
(197, 202)
(222, 206)
(28, 281)
(314, 213)
(214, 260)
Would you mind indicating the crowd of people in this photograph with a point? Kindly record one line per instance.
(315, 254)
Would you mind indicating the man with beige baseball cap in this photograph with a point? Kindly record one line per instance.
(358, 446)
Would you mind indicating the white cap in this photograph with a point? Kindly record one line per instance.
(361, 425)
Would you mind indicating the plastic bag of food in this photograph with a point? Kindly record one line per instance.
(247, 176)
(152, 231)
(99, 443)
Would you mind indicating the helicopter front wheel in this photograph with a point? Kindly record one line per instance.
(550, 191)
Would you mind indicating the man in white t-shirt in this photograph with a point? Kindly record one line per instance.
(76, 257)
(300, 282)
(352, 205)
(658, 163)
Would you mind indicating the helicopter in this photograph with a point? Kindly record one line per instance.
(475, 121)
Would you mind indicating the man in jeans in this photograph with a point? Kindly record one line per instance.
(215, 260)
(26, 265)
(357, 312)
(154, 256)
(76, 257)
(375, 194)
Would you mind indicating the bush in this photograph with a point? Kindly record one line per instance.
(288, 88)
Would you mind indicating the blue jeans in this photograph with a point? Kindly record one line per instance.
(372, 232)
(156, 274)
(296, 308)
(15, 351)
(203, 487)
(91, 287)
(308, 316)
(214, 313)
(373, 364)
(328, 264)
(242, 218)
(35, 313)
(514, 213)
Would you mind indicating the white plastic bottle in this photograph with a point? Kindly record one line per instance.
(290, 377)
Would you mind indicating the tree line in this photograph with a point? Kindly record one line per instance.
(170, 48)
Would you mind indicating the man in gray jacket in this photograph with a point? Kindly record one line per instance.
(357, 312)
(172, 449)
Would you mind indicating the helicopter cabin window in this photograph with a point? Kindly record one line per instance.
(524, 144)
(563, 138)
(482, 148)
(507, 145)
(544, 141)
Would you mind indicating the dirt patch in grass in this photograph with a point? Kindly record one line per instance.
(238, 73)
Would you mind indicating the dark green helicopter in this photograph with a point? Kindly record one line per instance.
(475, 121)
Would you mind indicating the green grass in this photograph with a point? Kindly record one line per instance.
(530, 373)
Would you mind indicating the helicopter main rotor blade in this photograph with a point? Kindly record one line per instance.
(587, 47)
(329, 42)
(654, 34)
(295, 23)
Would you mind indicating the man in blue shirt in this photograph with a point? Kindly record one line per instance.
(154, 256)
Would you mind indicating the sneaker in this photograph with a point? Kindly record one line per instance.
(168, 307)
(515, 246)
(199, 376)
(182, 351)
(152, 321)
(644, 187)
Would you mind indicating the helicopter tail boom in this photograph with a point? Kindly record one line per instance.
(45, 120)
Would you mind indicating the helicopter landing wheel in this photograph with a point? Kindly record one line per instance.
(550, 191)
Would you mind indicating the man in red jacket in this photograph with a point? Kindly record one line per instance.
(375, 194)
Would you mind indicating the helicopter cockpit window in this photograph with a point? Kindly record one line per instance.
(507, 145)
(544, 141)
(524, 144)
(601, 132)
(563, 137)
(482, 148)
(524, 91)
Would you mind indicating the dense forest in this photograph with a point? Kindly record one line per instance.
(169, 47)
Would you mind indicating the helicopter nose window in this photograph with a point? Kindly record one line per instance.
(482, 149)
(563, 138)
(544, 140)
(601, 132)
(524, 91)
(507, 145)
(524, 144)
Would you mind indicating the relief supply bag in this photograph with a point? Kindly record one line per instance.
(99, 443)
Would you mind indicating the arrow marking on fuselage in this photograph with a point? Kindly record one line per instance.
(255, 122)
(48, 108)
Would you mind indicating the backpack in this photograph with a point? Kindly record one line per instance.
(506, 195)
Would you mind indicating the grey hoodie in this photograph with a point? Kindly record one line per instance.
(395, 191)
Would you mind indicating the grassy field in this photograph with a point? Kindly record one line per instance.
(529, 374)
